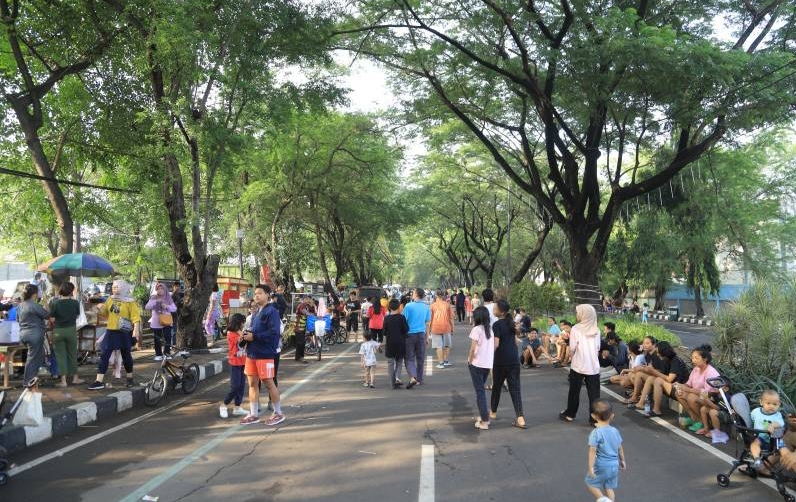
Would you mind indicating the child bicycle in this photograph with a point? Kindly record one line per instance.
(185, 375)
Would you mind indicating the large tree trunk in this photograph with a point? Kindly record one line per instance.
(584, 273)
(197, 271)
(700, 311)
(58, 202)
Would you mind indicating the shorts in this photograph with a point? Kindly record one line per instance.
(604, 477)
(440, 341)
(261, 368)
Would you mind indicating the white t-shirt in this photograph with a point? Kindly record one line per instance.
(639, 360)
(492, 317)
(368, 350)
(365, 307)
(485, 350)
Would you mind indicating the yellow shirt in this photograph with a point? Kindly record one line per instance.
(116, 309)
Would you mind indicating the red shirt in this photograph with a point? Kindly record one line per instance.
(232, 342)
(376, 320)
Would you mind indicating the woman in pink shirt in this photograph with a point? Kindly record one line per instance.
(479, 361)
(693, 394)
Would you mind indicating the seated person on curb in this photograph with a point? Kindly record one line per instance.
(766, 417)
(563, 354)
(693, 394)
(678, 374)
(715, 416)
(608, 355)
(622, 356)
(530, 348)
(551, 335)
(645, 375)
(635, 358)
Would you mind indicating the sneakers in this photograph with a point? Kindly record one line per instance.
(372, 386)
(447, 363)
(276, 418)
(239, 412)
(130, 383)
(441, 366)
(757, 464)
(96, 386)
(223, 412)
(398, 381)
(249, 420)
(604, 499)
(158, 358)
(168, 358)
(364, 384)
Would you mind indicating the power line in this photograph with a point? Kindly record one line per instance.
(21, 174)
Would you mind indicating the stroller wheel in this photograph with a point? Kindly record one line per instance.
(3, 478)
(723, 480)
(789, 498)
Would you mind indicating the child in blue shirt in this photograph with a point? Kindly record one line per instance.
(766, 418)
(606, 455)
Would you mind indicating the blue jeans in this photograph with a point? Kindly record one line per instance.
(416, 355)
(479, 376)
(237, 384)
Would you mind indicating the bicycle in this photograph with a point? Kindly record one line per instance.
(185, 375)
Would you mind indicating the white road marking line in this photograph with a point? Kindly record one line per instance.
(691, 439)
(61, 452)
(207, 447)
(426, 491)
(429, 366)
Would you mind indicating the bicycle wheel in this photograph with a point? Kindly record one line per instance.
(340, 333)
(320, 348)
(329, 338)
(190, 378)
(155, 390)
(310, 349)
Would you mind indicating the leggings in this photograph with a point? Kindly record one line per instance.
(510, 373)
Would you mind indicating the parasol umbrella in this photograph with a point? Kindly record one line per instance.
(78, 264)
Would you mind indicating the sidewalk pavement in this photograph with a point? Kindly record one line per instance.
(66, 409)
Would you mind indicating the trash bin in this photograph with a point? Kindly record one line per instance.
(673, 312)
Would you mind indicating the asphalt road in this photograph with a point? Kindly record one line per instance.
(342, 442)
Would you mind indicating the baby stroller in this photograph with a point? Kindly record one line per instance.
(7, 417)
(738, 407)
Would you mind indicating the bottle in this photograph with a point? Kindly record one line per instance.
(647, 405)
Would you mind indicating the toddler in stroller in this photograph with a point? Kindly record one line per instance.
(755, 448)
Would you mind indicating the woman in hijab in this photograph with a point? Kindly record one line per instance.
(584, 345)
(124, 325)
(32, 317)
(159, 304)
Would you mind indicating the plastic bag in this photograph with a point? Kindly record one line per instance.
(30, 412)
(81, 319)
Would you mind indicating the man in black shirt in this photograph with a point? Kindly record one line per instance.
(352, 310)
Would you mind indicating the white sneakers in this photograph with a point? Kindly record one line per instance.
(604, 499)
(223, 412)
(158, 358)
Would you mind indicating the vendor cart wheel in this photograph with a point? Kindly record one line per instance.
(723, 480)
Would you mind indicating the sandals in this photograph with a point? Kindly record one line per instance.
(653, 414)
(518, 425)
(704, 431)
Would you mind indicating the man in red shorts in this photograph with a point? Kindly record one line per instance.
(261, 351)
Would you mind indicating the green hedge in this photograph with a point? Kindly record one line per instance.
(538, 298)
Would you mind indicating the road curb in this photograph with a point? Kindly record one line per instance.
(687, 320)
(65, 421)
